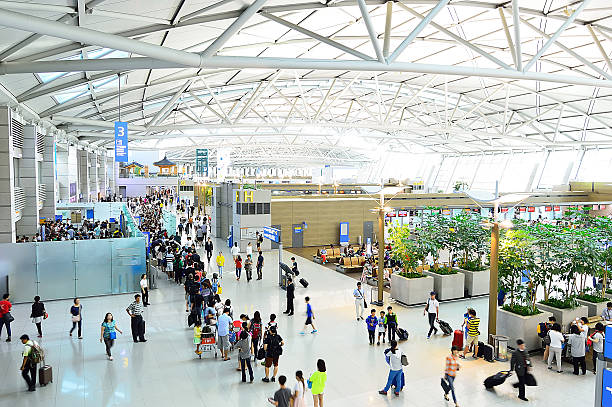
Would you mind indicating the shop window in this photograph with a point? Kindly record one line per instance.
(237, 208)
(245, 209)
(266, 208)
(259, 208)
(251, 209)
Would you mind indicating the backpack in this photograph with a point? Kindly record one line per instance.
(542, 330)
(36, 353)
(256, 330)
(193, 289)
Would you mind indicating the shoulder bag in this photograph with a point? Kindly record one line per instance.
(8, 318)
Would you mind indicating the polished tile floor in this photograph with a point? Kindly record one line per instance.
(164, 371)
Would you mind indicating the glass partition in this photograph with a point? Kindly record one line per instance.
(68, 269)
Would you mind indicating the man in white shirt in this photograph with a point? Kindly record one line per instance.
(359, 301)
(431, 308)
(607, 313)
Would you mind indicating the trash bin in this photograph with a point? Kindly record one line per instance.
(500, 343)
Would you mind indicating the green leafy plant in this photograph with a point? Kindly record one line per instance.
(516, 261)
(412, 274)
(472, 241)
(522, 310)
(592, 298)
(444, 271)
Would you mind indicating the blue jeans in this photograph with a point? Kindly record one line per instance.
(393, 376)
(451, 383)
(220, 271)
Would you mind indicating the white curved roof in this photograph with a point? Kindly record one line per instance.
(338, 80)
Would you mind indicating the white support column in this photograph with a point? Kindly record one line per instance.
(48, 180)
(67, 173)
(7, 175)
(102, 178)
(93, 177)
(83, 191)
(28, 181)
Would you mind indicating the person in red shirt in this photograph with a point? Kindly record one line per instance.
(5, 307)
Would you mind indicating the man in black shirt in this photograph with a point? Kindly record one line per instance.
(208, 246)
(290, 296)
(260, 263)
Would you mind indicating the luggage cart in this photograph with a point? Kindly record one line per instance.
(208, 342)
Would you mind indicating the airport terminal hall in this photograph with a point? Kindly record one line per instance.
(305, 203)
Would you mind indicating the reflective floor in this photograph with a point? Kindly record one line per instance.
(165, 372)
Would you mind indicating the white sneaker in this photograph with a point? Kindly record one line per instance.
(110, 358)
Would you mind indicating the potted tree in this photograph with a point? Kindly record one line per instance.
(410, 286)
(472, 246)
(519, 317)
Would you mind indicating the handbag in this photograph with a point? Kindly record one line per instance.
(530, 380)
(76, 318)
(45, 316)
(8, 318)
(404, 360)
(445, 386)
(219, 289)
(309, 383)
(112, 335)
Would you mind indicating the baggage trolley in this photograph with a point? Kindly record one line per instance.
(208, 342)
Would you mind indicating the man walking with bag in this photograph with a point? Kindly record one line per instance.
(431, 308)
(32, 355)
(135, 311)
(290, 296)
(359, 301)
(521, 364)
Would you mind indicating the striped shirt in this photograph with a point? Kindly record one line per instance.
(473, 327)
(135, 308)
(451, 365)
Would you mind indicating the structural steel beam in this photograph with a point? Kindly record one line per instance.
(417, 30)
(371, 31)
(233, 28)
(110, 64)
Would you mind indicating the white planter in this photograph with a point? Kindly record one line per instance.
(595, 308)
(411, 291)
(476, 282)
(565, 316)
(517, 326)
(448, 286)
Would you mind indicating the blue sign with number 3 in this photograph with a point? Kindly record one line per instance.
(121, 142)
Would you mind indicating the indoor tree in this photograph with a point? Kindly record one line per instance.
(472, 240)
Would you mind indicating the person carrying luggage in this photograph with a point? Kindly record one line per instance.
(432, 309)
(450, 373)
(521, 364)
(473, 332)
(391, 323)
(32, 355)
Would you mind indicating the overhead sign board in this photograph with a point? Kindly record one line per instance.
(272, 234)
(202, 161)
(121, 142)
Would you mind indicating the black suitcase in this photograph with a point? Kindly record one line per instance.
(402, 334)
(487, 352)
(45, 375)
(191, 319)
(480, 353)
(496, 379)
(304, 282)
(445, 386)
(445, 327)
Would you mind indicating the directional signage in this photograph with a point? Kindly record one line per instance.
(272, 234)
(202, 161)
(121, 142)
(606, 397)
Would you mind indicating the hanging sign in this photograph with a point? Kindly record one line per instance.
(121, 142)
(202, 161)
(402, 214)
(557, 208)
(522, 209)
(531, 209)
(503, 210)
(547, 208)
(602, 207)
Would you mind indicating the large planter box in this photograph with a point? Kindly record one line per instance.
(595, 308)
(448, 286)
(565, 316)
(516, 326)
(411, 291)
(476, 282)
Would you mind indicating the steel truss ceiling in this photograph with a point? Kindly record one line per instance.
(312, 82)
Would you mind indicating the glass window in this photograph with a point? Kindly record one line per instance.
(251, 209)
(237, 208)
(245, 209)
(266, 209)
(259, 208)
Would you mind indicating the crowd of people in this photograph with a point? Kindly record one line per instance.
(60, 230)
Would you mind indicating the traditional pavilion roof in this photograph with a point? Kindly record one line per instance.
(134, 164)
(164, 163)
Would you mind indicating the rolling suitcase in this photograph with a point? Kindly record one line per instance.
(402, 334)
(480, 353)
(487, 352)
(445, 327)
(304, 283)
(496, 379)
(458, 339)
(45, 375)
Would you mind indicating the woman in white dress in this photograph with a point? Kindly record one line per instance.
(298, 391)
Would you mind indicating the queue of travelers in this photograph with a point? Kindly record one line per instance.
(60, 230)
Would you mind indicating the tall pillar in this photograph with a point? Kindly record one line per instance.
(7, 177)
(67, 173)
(93, 177)
(28, 180)
(48, 193)
(83, 165)
(102, 185)
(110, 175)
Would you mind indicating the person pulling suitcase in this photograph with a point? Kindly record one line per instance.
(432, 309)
